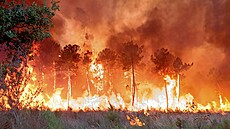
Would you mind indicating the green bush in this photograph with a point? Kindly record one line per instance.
(226, 124)
(52, 121)
(114, 119)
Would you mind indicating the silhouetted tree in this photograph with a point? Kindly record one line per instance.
(163, 61)
(21, 26)
(168, 64)
(131, 55)
(48, 53)
(108, 58)
(178, 67)
(68, 61)
(87, 60)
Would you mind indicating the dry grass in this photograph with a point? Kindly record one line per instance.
(32, 119)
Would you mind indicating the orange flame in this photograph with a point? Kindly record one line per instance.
(134, 121)
(157, 100)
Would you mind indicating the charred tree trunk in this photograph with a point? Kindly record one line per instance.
(166, 95)
(2, 77)
(134, 85)
(41, 76)
(69, 88)
(109, 80)
(87, 80)
(178, 87)
(55, 74)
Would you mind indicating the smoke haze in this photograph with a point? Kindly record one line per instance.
(197, 31)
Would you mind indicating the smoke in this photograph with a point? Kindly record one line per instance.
(197, 31)
(218, 28)
(98, 18)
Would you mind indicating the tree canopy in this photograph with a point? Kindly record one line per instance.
(107, 57)
(21, 26)
(179, 66)
(48, 52)
(69, 57)
(167, 63)
(163, 61)
(130, 53)
(87, 58)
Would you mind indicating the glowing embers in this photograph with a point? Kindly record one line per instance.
(134, 121)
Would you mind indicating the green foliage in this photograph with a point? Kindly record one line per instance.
(113, 116)
(114, 119)
(21, 26)
(52, 121)
(225, 124)
(27, 119)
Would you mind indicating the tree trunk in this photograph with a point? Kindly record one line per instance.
(2, 77)
(55, 74)
(69, 88)
(178, 88)
(134, 85)
(108, 75)
(109, 81)
(166, 94)
(87, 80)
(41, 76)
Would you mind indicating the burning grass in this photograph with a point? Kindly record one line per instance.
(27, 119)
(103, 104)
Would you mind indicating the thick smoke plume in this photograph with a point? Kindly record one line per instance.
(197, 31)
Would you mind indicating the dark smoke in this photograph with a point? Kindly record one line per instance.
(197, 31)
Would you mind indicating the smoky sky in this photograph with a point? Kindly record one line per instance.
(198, 31)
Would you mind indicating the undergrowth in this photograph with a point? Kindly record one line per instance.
(112, 119)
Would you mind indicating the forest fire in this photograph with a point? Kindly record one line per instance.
(99, 94)
(134, 63)
(104, 102)
(116, 77)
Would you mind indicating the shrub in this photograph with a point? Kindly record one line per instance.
(52, 121)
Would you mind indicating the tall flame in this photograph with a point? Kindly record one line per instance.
(157, 100)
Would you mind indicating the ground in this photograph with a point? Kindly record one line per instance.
(34, 119)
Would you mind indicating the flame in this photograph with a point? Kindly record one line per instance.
(134, 121)
(155, 101)
(98, 74)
